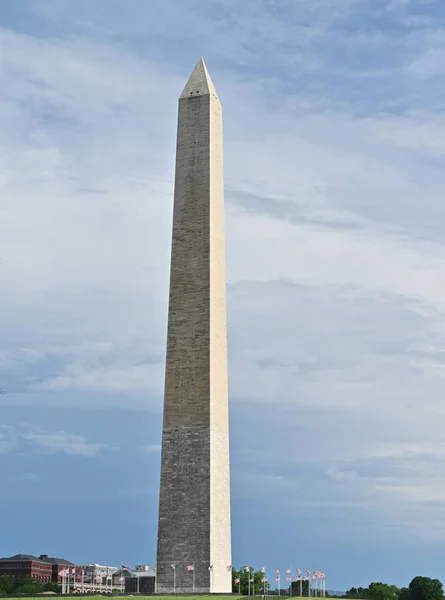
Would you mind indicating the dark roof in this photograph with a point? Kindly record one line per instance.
(29, 557)
(57, 561)
(22, 557)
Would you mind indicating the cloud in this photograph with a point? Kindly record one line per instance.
(152, 448)
(334, 158)
(63, 442)
(27, 477)
(8, 439)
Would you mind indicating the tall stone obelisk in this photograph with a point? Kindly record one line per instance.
(194, 504)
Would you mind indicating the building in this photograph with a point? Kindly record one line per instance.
(125, 573)
(141, 582)
(27, 565)
(57, 565)
(194, 500)
(94, 572)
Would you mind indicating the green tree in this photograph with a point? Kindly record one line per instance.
(425, 588)
(382, 591)
(359, 592)
(28, 585)
(7, 584)
(256, 586)
(404, 594)
(50, 586)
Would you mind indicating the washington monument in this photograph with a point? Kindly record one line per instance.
(194, 541)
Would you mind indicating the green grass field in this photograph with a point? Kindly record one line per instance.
(189, 597)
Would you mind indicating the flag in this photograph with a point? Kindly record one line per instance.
(308, 571)
(173, 566)
(154, 568)
(278, 571)
(263, 570)
(298, 571)
(297, 578)
(237, 580)
(288, 578)
(121, 579)
(288, 571)
(247, 569)
(126, 568)
(263, 580)
(73, 571)
(210, 567)
(190, 568)
(251, 580)
(277, 579)
(109, 576)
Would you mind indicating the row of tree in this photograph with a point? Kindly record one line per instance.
(25, 585)
(420, 588)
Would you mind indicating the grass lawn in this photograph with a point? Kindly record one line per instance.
(189, 597)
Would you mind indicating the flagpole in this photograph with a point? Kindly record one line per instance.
(193, 578)
(174, 580)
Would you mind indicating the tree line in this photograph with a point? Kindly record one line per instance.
(420, 588)
(25, 585)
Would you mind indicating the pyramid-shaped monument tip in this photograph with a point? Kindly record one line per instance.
(199, 83)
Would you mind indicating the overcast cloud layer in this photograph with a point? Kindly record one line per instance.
(334, 159)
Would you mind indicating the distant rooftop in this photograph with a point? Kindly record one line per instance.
(42, 558)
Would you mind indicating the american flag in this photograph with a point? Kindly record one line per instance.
(263, 570)
(297, 578)
(278, 571)
(288, 578)
(247, 569)
(237, 580)
(82, 572)
(126, 568)
(306, 577)
(154, 568)
(73, 570)
(210, 567)
(263, 580)
(190, 568)
(308, 571)
(251, 580)
(173, 566)
(288, 571)
(298, 571)
(277, 578)
(121, 579)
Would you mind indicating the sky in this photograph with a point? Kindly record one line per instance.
(334, 142)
